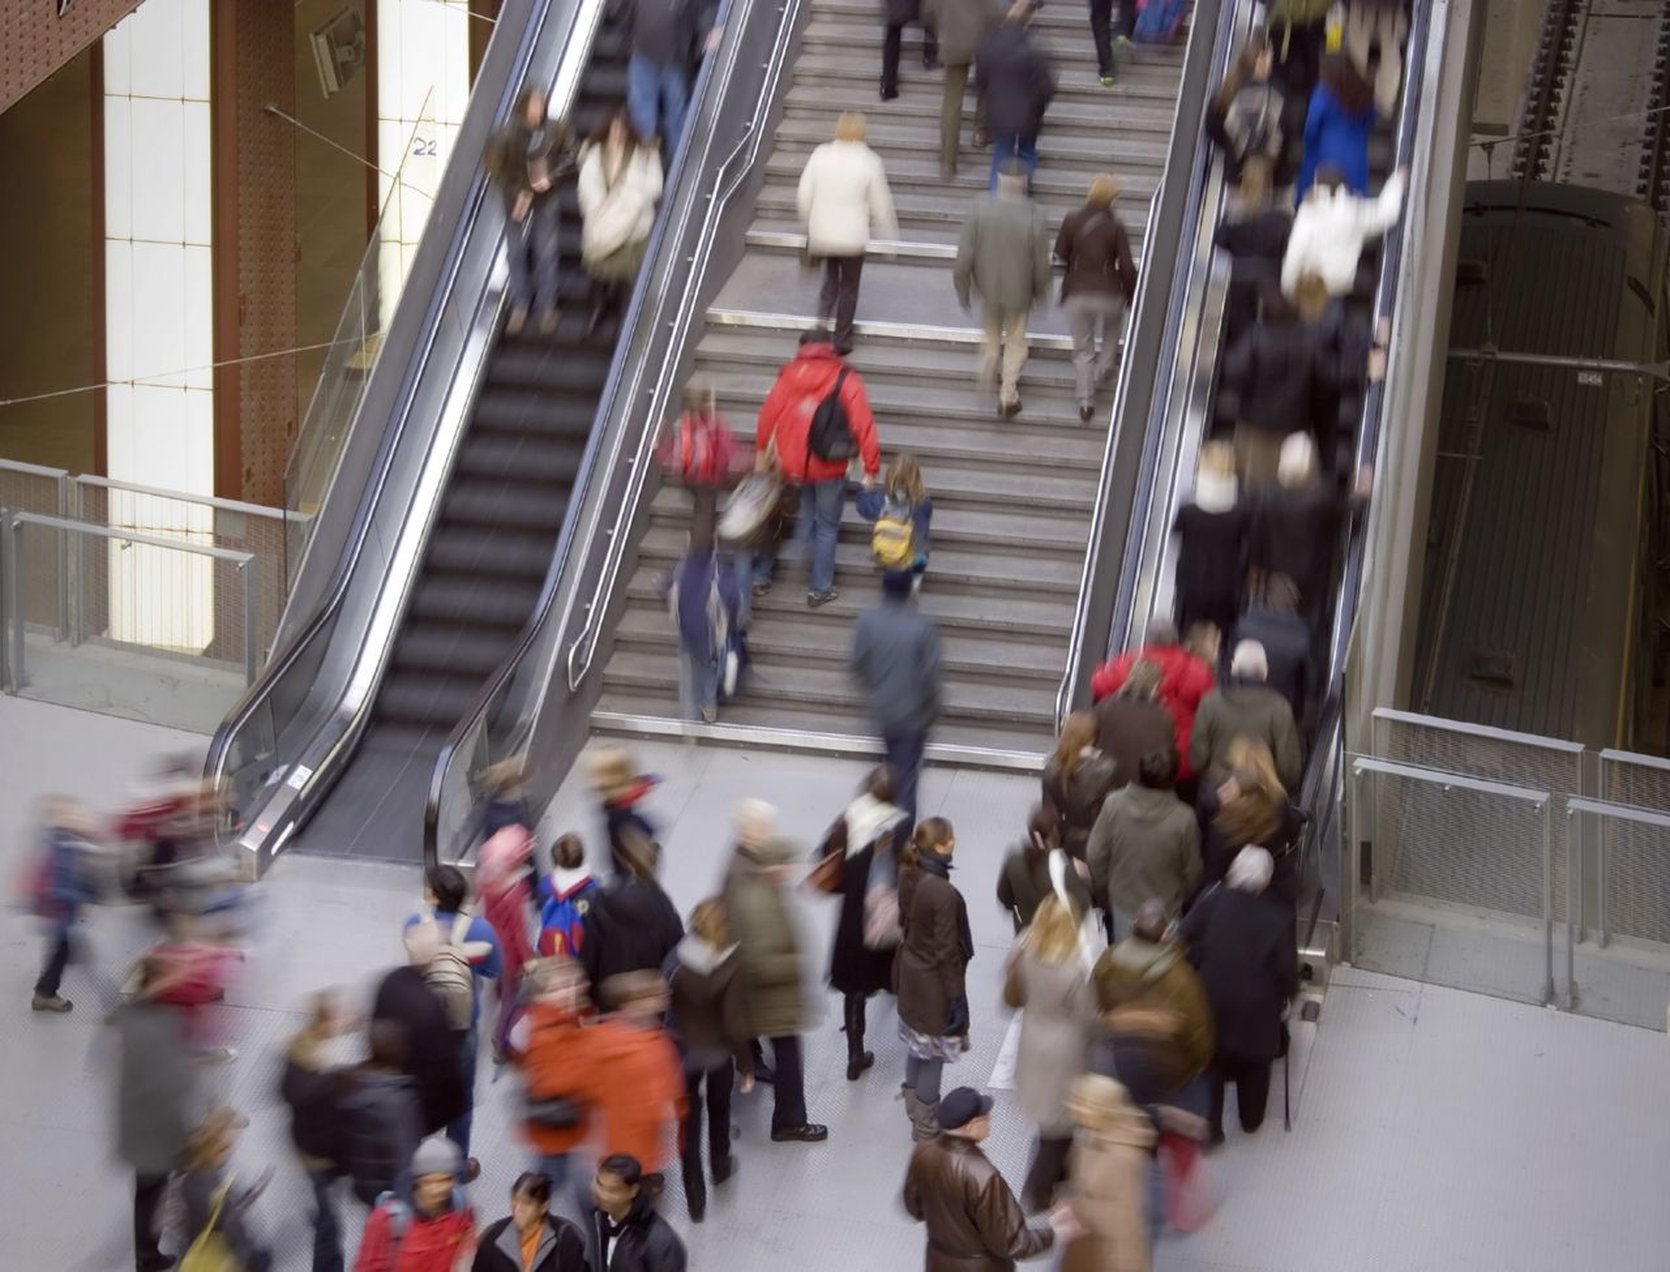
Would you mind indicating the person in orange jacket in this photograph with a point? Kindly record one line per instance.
(1185, 679)
(815, 374)
(637, 1079)
(554, 1045)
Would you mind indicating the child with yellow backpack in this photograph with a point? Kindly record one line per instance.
(902, 513)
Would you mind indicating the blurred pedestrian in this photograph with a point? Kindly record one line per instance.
(1241, 938)
(1331, 226)
(1098, 282)
(1254, 232)
(757, 908)
(1131, 722)
(214, 1201)
(157, 1103)
(816, 383)
(705, 604)
(1299, 524)
(620, 185)
(1280, 377)
(1380, 26)
(1013, 74)
(708, 1014)
(1154, 1008)
(621, 789)
(566, 897)
(928, 974)
(1024, 879)
(843, 200)
(435, 1232)
(1337, 126)
(666, 34)
(974, 1222)
(529, 157)
(1111, 1168)
(1211, 532)
(962, 25)
(900, 14)
(896, 660)
(502, 882)
(432, 1058)
(1272, 621)
(1048, 975)
(1078, 778)
(1247, 118)
(62, 885)
(639, 1080)
(554, 1047)
(1145, 844)
(463, 952)
(633, 924)
(1111, 44)
(1185, 678)
(1246, 804)
(531, 1238)
(903, 514)
(1004, 255)
(1248, 707)
(869, 837)
(377, 1118)
(623, 1233)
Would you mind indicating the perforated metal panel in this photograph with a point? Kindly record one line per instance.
(35, 41)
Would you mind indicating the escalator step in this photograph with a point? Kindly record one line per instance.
(490, 502)
(522, 410)
(518, 364)
(509, 455)
(420, 697)
(455, 651)
(471, 601)
(496, 551)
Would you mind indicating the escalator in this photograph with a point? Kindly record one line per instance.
(497, 527)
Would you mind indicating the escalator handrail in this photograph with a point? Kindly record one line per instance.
(617, 397)
(585, 14)
(1151, 334)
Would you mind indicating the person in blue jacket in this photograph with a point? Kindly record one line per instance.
(63, 889)
(1337, 127)
(704, 600)
(445, 893)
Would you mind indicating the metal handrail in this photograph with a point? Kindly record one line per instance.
(180, 496)
(586, 18)
(623, 387)
(750, 141)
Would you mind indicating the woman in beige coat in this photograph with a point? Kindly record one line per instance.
(843, 200)
(1109, 1172)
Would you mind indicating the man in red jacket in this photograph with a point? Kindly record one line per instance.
(1184, 680)
(786, 422)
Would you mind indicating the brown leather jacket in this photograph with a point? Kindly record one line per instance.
(974, 1222)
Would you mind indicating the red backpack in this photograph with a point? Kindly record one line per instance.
(703, 451)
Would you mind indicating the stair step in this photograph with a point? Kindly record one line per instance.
(920, 98)
(903, 138)
(1063, 177)
(819, 68)
(943, 213)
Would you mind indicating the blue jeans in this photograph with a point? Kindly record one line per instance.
(327, 1227)
(819, 524)
(533, 255)
(458, 1131)
(1007, 146)
(698, 684)
(655, 91)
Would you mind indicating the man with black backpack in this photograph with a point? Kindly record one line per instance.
(813, 422)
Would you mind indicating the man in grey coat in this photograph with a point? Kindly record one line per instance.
(895, 659)
(1004, 254)
(960, 25)
(1247, 707)
(155, 1105)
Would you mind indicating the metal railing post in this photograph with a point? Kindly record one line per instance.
(1548, 896)
(67, 491)
(1574, 878)
(14, 579)
(251, 639)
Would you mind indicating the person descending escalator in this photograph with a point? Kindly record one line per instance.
(529, 158)
(620, 185)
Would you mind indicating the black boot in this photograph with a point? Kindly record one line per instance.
(858, 1059)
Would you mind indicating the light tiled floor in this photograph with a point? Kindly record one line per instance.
(1434, 1129)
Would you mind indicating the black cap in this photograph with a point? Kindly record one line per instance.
(960, 1107)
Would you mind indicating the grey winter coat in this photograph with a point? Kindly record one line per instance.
(1247, 708)
(1004, 254)
(961, 25)
(1145, 846)
(896, 660)
(156, 1098)
(1060, 1003)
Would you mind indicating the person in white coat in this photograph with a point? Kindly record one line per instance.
(1332, 225)
(843, 200)
(620, 184)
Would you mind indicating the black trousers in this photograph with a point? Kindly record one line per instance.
(1049, 1171)
(715, 1085)
(52, 971)
(148, 1192)
(1252, 1091)
(890, 53)
(1102, 29)
(789, 1107)
(838, 301)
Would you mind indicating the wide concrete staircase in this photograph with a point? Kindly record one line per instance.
(1012, 498)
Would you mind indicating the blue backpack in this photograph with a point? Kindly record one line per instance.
(562, 920)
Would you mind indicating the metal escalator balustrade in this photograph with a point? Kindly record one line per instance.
(287, 742)
(1012, 498)
(529, 706)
